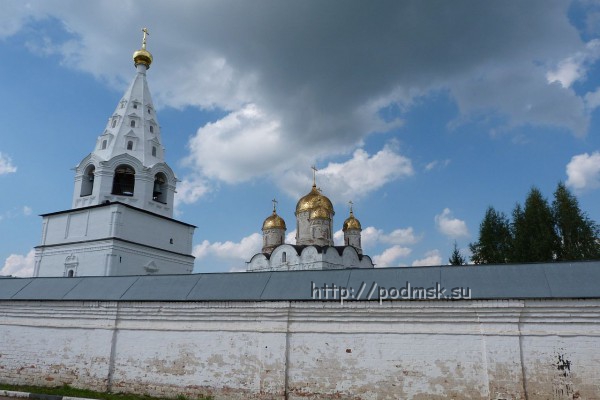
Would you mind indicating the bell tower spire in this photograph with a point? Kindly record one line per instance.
(127, 163)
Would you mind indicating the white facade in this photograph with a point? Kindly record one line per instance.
(467, 350)
(287, 257)
(121, 217)
(314, 249)
(113, 239)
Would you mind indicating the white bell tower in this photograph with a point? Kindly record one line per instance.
(122, 209)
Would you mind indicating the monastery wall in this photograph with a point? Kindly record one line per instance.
(468, 349)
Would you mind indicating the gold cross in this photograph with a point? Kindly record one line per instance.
(274, 204)
(351, 203)
(146, 33)
(314, 175)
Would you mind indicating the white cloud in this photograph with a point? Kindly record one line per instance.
(437, 164)
(19, 265)
(285, 98)
(371, 236)
(6, 166)
(229, 250)
(190, 189)
(451, 227)
(574, 67)
(390, 256)
(583, 171)
(290, 237)
(244, 144)
(432, 257)
(363, 173)
(27, 210)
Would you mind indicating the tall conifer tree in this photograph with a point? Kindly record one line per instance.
(579, 236)
(494, 244)
(534, 237)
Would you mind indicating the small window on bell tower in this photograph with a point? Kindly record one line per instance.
(153, 151)
(103, 144)
(151, 129)
(132, 124)
(130, 145)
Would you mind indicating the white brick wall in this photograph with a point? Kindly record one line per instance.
(309, 350)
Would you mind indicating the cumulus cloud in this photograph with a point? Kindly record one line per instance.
(287, 102)
(449, 226)
(574, 67)
(363, 173)
(372, 236)
(6, 166)
(229, 250)
(390, 256)
(19, 265)
(432, 257)
(583, 171)
(190, 189)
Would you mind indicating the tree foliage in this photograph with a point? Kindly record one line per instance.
(494, 241)
(533, 235)
(457, 258)
(577, 234)
(538, 232)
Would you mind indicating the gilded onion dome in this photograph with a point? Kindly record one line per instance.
(313, 201)
(274, 221)
(319, 213)
(143, 56)
(351, 223)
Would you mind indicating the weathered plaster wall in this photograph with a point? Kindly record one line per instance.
(476, 349)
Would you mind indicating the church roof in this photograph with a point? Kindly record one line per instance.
(134, 117)
(575, 280)
(109, 203)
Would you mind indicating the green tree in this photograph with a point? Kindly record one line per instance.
(533, 236)
(456, 258)
(578, 235)
(494, 242)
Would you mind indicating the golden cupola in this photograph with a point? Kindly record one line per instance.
(143, 56)
(313, 201)
(274, 221)
(351, 223)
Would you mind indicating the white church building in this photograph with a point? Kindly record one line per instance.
(314, 248)
(121, 218)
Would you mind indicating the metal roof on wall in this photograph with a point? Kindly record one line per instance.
(511, 281)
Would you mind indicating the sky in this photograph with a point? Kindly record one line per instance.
(422, 113)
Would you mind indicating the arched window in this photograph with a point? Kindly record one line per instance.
(151, 129)
(132, 123)
(103, 144)
(130, 145)
(87, 181)
(124, 181)
(283, 257)
(71, 273)
(153, 151)
(114, 123)
(159, 193)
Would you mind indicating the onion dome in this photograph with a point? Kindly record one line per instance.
(314, 200)
(351, 223)
(143, 56)
(319, 213)
(274, 221)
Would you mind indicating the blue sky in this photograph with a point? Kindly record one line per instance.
(421, 113)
